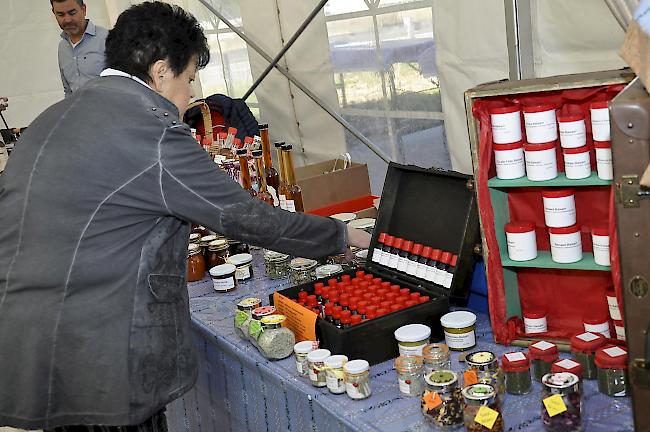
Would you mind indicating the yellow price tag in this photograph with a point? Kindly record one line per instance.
(554, 405)
(486, 417)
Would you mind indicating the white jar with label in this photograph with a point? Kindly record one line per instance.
(577, 163)
(541, 124)
(244, 264)
(597, 322)
(535, 321)
(612, 303)
(509, 160)
(334, 374)
(460, 330)
(316, 361)
(223, 277)
(412, 338)
(301, 350)
(522, 241)
(604, 160)
(541, 161)
(506, 124)
(573, 132)
(600, 242)
(566, 244)
(600, 129)
(357, 379)
(559, 207)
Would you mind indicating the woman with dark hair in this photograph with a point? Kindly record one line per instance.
(95, 211)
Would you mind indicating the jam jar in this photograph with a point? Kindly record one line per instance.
(566, 385)
(243, 315)
(442, 400)
(217, 252)
(486, 367)
(204, 242)
(302, 270)
(195, 263)
(276, 265)
(480, 401)
(244, 265)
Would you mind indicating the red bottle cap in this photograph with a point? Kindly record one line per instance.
(415, 296)
(346, 319)
(332, 282)
(248, 140)
(395, 307)
(407, 246)
(506, 147)
(435, 254)
(360, 274)
(303, 295)
(513, 362)
(611, 357)
(355, 281)
(445, 258)
(353, 303)
(405, 292)
(237, 143)
(389, 241)
(385, 285)
(410, 303)
(345, 278)
(395, 288)
(382, 292)
(329, 308)
(543, 350)
(382, 311)
(334, 298)
(362, 310)
(386, 304)
(336, 313)
(312, 302)
(397, 243)
(567, 365)
(318, 285)
(344, 300)
(392, 296)
(325, 292)
(504, 109)
(424, 299)
(426, 252)
(382, 237)
(417, 249)
(368, 278)
(364, 285)
(232, 131)
(454, 260)
(355, 319)
(376, 281)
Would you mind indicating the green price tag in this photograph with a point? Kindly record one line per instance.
(240, 318)
(255, 329)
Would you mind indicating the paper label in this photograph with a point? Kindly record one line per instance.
(394, 260)
(243, 273)
(470, 377)
(438, 276)
(301, 367)
(431, 273)
(431, 400)
(240, 318)
(447, 280)
(300, 320)
(412, 267)
(615, 351)
(543, 345)
(587, 337)
(459, 341)
(421, 271)
(567, 364)
(402, 264)
(291, 205)
(404, 386)
(335, 384)
(376, 255)
(486, 416)
(255, 329)
(516, 356)
(411, 350)
(223, 284)
(554, 405)
(283, 202)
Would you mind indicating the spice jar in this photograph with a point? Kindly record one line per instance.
(243, 315)
(357, 379)
(559, 207)
(612, 371)
(506, 124)
(566, 244)
(275, 342)
(584, 347)
(541, 162)
(604, 160)
(568, 365)
(244, 264)
(442, 401)
(535, 321)
(516, 367)
(255, 324)
(436, 357)
(600, 121)
(276, 265)
(540, 122)
(509, 160)
(459, 328)
(301, 349)
(316, 361)
(328, 270)
(412, 338)
(482, 410)
(573, 132)
(195, 263)
(600, 242)
(577, 163)
(302, 270)
(410, 374)
(521, 240)
(483, 366)
(596, 321)
(223, 278)
(561, 388)
(217, 252)
(542, 355)
(334, 375)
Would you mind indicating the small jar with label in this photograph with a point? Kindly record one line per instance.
(573, 131)
(611, 362)
(334, 375)
(619, 329)
(509, 160)
(484, 365)
(255, 324)
(328, 270)
(577, 162)
(204, 242)
(218, 252)
(276, 265)
(357, 379)
(410, 374)
(612, 303)
(541, 123)
(566, 244)
(568, 365)
(195, 263)
(236, 247)
(584, 347)
(521, 240)
(541, 162)
(535, 321)
(436, 356)
(542, 355)
(244, 264)
(243, 315)
(302, 270)
(482, 410)
(301, 350)
(561, 406)
(316, 361)
(442, 401)
(604, 164)
(600, 242)
(506, 124)
(223, 278)
(275, 342)
(559, 207)
(600, 121)
(596, 321)
(412, 338)
(459, 328)
(516, 367)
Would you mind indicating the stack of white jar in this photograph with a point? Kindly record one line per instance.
(560, 218)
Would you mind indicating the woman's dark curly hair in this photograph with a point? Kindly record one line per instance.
(152, 31)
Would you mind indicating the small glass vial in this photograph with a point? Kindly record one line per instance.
(410, 375)
(481, 398)
(218, 252)
(357, 379)
(243, 315)
(584, 347)
(316, 361)
(301, 350)
(612, 371)
(516, 366)
(276, 265)
(275, 342)
(436, 356)
(486, 367)
(542, 355)
(195, 263)
(442, 400)
(566, 385)
(334, 375)
(302, 270)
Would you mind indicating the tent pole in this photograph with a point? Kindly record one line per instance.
(520, 39)
(354, 131)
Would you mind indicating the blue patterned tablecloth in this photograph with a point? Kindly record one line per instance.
(239, 390)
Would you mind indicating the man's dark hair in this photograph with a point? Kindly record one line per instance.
(152, 31)
(80, 2)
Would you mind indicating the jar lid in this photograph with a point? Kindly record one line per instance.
(318, 355)
(595, 317)
(587, 342)
(328, 270)
(565, 118)
(441, 378)
(363, 223)
(565, 230)
(560, 380)
(538, 108)
(540, 147)
(603, 144)
(412, 333)
(336, 361)
(382, 237)
(397, 243)
(504, 109)
(218, 244)
(426, 252)
(362, 254)
(505, 147)
(305, 347)
(543, 350)
(515, 362)
(407, 245)
(273, 256)
(518, 227)
(302, 264)
(273, 319)
(534, 314)
(194, 237)
(344, 217)
(435, 351)
(222, 270)
(567, 365)
(240, 259)
(193, 248)
(417, 249)
(480, 359)
(558, 193)
(356, 366)
(264, 310)
(408, 363)
(435, 254)
(249, 302)
(611, 357)
(207, 239)
(599, 104)
(600, 229)
(458, 319)
(576, 150)
(445, 257)
(479, 392)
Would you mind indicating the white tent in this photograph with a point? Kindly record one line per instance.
(395, 70)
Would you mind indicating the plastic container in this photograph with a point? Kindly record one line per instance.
(459, 328)
(535, 321)
(612, 371)
(436, 356)
(223, 278)
(275, 342)
(410, 375)
(302, 270)
(566, 244)
(542, 355)
(577, 163)
(600, 128)
(509, 160)
(559, 207)
(357, 379)
(243, 315)
(476, 397)
(442, 400)
(541, 124)
(567, 386)
(412, 338)
(612, 303)
(516, 368)
(619, 329)
(604, 164)
(541, 162)
(244, 264)
(485, 366)
(568, 365)
(573, 131)
(521, 240)
(600, 242)
(276, 265)
(597, 322)
(334, 374)
(506, 124)
(583, 348)
(316, 362)
(300, 350)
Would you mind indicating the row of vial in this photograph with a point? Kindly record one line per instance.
(423, 262)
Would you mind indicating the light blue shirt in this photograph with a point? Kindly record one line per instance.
(85, 61)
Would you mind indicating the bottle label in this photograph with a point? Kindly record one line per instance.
(335, 384)
(223, 284)
(412, 267)
(376, 255)
(431, 273)
(402, 264)
(447, 281)
(422, 271)
(290, 205)
(385, 258)
(460, 340)
(394, 260)
(243, 273)
(283, 202)
(439, 276)
(404, 386)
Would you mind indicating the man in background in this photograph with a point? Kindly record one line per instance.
(81, 49)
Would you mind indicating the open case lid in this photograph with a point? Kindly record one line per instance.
(436, 208)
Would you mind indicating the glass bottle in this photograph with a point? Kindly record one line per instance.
(442, 400)
(195, 263)
(386, 250)
(245, 173)
(421, 271)
(294, 192)
(404, 253)
(217, 252)
(377, 250)
(478, 396)
(357, 379)
(282, 186)
(394, 252)
(432, 265)
(442, 266)
(276, 341)
(486, 367)
(542, 355)
(567, 386)
(516, 366)
(410, 374)
(243, 315)
(436, 357)
(262, 192)
(412, 267)
(270, 173)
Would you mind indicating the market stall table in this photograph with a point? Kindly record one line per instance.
(239, 390)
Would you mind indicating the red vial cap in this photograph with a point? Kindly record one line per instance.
(415, 296)
(362, 309)
(368, 278)
(410, 303)
(325, 292)
(504, 109)
(424, 299)
(382, 311)
(426, 252)
(221, 135)
(395, 307)
(232, 131)
(329, 308)
(392, 296)
(360, 274)
(445, 257)
(344, 300)
(355, 319)
(405, 292)
(395, 288)
(407, 246)
(397, 244)
(346, 319)
(332, 282)
(417, 249)
(364, 285)
(386, 304)
(336, 314)
(454, 260)
(248, 140)
(382, 237)
(237, 143)
(389, 241)
(376, 281)
(345, 278)
(303, 295)
(435, 254)
(385, 285)
(576, 150)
